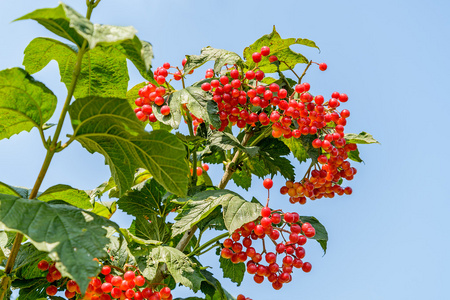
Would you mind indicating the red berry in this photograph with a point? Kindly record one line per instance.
(43, 265)
(343, 97)
(69, 294)
(256, 57)
(306, 267)
(165, 110)
(250, 75)
(165, 292)
(259, 75)
(107, 287)
(199, 171)
(51, 290)
(273, 58)
(206, 86)
(139, 280)
(323, 66)
(129, 275)
(265, 51)
(205, 167)
(268, 183)
(265, 211)
(234, 74)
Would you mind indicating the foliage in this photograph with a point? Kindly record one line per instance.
(157, 170)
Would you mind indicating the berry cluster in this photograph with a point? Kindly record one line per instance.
(242, 297)
(243, 99)
(105, 286)
(150, 94)
(273, 225)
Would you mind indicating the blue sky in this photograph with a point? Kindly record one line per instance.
(389, 239)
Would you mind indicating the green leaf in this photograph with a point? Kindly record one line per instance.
(155, 228)
(103, 69)
(362, 138)
(278, 47)
(109, 126)
(201, 105)
(270, 160)
(146, 201)
(236, 210)
(68, 194)
(182, 269)
(227, 141)
(211, 286)
(233, 271)
(69, 24)
(72, 237)
(24, 102)
(140, 53)
(109, 34)
(197, 101)
(63, 21)
(220, 56)
(118, 252)
(297, 149)
(25, 266)
(14, 190)
(31, 289)
(321, 233)
(174, 118)
(104, 209)
(354, 155)
(242, 178)
(312, 152)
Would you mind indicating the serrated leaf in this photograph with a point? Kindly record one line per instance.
(25, 266)
(362, 138)
(103, 69)
(24, 102)
(270, 161)
(31, 289)
(182, 269)
(242, 178)
(354, 155)
(68, 194)
(140, 53)
(72, 237)
(278, 47)
(63, 21)
(220, 56)
(233, 271)
(69, 24)
(197, 101)
(14, 190)
(236, 210)
(321, 233)
(152, 228)
(201, 105)
(104, 209)
(227, 141)
(174, 118)
(109, 126)
(146, 201)
(118, 252)
(297, 149)
(312, 152)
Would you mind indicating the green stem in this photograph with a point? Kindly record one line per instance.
(304, 72)
(194, 151)
(208, 243)
(51, 150)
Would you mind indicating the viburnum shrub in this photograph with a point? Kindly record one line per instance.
(159, 140)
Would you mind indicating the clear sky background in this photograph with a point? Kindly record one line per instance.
(390, 238)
